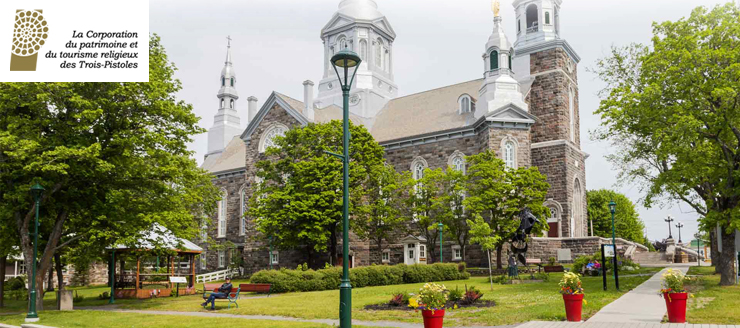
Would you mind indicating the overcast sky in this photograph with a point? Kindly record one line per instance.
(276, 46)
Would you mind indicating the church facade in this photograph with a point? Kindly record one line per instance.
(524, 108)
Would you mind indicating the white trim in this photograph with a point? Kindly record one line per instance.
(203, 261)
(457, 154)
(270, 129)
(385, 253)
(515, 152)
(418, 160)
(221, 259)
(459, 103)
(454, 255)
(577, 207)
(242, 211)
(556, 70)
(558, 214)
(559, 142)
(223, 214)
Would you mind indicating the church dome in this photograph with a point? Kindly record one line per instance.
(360, 9)
(498, 37)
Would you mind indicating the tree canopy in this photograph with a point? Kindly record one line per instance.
(672, 110)
(112, 157)
(627, 222)
(299, 200)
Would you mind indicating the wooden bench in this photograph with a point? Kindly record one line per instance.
(257, 288)
(213, 288)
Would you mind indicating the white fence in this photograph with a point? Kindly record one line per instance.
(216, 275)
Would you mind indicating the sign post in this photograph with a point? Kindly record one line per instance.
(610, 251)
(603, 268)
(177, 281)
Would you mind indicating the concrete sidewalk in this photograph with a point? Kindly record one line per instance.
(589, 324)
(641, 305)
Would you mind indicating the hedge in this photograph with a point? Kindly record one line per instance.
(285, 280)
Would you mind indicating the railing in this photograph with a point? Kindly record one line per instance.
(532, 29)
(216, 275)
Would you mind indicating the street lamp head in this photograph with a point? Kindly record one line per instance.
(612, 207)
(347, 60)
(36, 191)
(440, 226)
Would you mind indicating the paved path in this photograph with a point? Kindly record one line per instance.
(641, 305)
(589, 324)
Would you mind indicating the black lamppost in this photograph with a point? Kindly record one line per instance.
(613, 209)
(440, 227)
(36, 191)
(348, 61)
(669, 220)
(679, 226)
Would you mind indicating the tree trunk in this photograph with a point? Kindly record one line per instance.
(333, 247)
(3, 261)
(380, 250)
(499, 249)
(727, 258)
(714, 251)
(50, 279)
(60, 275)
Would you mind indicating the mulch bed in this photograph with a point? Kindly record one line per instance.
(449, 305)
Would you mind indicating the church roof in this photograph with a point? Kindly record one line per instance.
(425, 112)
(232, 158)
(321, 115)
(360, 9)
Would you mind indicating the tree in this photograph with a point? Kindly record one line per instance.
(113, 158)
(451, 208)
(627, 222)
(381, 216)
(497, 195)
(424, 207)
(673, 112)
(299, 201)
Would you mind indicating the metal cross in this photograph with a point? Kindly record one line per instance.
(229, 40)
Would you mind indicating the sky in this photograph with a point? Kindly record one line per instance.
(276, 46)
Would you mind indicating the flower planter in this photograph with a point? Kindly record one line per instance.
(573, 306)
(675, 303)
(433, 319)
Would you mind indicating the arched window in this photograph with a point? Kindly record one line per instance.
(419, 170)
(222, 103)
(532, 19)
(458, 163)
(363, 49)
(379, 53)
(232, 81)
(243, 211)
(222, 213)
(518, 26)
(494, 60)
(231, 103)
(342, 43)
(268, 138)
(547, 18)
(509, 154)
(571, 107)
(223, 81)
(465, 104)
(577, 228)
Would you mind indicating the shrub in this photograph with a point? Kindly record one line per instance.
(399, 299)
(16, 283)
(285, 280)
(471, 296)
(552, 261)
(502, 279)
(103, 296)
(456, 295)
(542, 276)
(77, 298)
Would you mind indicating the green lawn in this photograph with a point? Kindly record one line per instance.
(96, 319)
(711, 303)
(516, 303)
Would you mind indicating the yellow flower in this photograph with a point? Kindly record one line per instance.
(413, 302)
(455, 307)
(585, 302)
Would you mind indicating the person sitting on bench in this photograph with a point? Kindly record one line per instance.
(223, 292)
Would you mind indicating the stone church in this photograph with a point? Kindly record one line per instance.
(524, 107)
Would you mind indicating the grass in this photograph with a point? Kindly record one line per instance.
(712, 304)
(95, 319)
(516, 303)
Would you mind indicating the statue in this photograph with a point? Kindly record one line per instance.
(518, 242)
(496, 7)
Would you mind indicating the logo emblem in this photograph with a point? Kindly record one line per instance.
(29, 35)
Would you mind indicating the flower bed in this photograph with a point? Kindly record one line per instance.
(454, 299)
(285, 280)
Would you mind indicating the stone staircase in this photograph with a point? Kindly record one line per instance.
(650, 258)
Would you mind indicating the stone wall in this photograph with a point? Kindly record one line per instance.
(545, 248)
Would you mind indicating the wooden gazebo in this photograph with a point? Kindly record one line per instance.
(134, 283)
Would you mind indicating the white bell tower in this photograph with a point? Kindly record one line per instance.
(499, 87)
(226, 122)
(537, 21)
(360, 27)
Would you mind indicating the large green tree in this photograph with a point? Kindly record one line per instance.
(299, 201)
(451, 208)
(381, 218)
(424, 208)
(497, 194)
(113, 158)
(627, 222)
(672, 110)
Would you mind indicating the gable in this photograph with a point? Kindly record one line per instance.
(511, 113)
(273, 102)
(337, 21)
(384, 25)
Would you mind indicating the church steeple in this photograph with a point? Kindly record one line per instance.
(499, 86)
(226, 122)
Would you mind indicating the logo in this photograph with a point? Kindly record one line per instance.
(29, 35)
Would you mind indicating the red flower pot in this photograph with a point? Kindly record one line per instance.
(573, 306)
(676, 305)
(433, 320)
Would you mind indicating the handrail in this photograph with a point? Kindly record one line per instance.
(216, 275)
